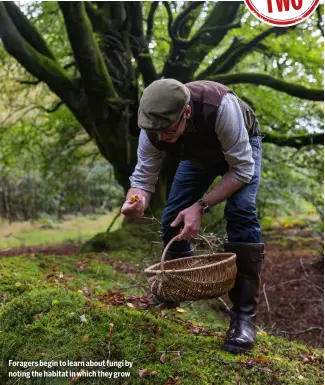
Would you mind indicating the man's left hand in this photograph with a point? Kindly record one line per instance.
(192, 222)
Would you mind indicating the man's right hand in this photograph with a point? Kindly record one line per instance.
(134, 206)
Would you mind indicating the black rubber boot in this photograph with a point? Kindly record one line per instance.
(168, 257)
(244, 296)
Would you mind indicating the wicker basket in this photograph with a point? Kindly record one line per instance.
(193, 278)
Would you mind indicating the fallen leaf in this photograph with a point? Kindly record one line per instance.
(260, 359)
(172, 380)
(180, 310)
(152, 349)
(163, 358)
(37, 315)
(85, 338)
(130, 305)
(143, 372)
(81, 265)
(175, 359)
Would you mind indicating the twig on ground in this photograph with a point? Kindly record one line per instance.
(295, 280)
(303, 267)
(153, 217)
(301, 331)
(188, 304)
(267, 302)
(223, 305)
(113, 221)
(139, 345)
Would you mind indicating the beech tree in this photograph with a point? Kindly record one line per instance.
(96, 57)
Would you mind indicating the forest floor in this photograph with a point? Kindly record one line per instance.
(292, 295)
(292, 287)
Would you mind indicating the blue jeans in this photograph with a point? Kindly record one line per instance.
(192, 181)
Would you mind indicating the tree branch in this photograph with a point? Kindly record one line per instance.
(267, 80)
(52, 109)
(31, 82)
(243, 50)
(320, 22)
(175, 38)
(151, 15)
(95, 77)
(36, 82)
(40, 66)
(185, 16)
(140, 44)
(96, 17)
(294, 141)
(237, 42)
(207, 31)
(183, 63)
(27, 30)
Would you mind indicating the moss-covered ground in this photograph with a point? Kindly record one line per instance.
(93, 306)
(50, 230)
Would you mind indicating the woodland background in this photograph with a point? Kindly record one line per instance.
(71, 77)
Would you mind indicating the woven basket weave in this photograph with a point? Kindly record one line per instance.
(193, 278)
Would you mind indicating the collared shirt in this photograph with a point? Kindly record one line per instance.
(232, 134)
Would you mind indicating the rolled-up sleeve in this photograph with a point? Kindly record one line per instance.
(146, 172)
(233, 136)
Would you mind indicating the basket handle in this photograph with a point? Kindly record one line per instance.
(172, 241)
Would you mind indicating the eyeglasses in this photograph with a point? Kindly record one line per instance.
(173, 132)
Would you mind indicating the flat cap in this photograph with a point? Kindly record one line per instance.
(162, 104)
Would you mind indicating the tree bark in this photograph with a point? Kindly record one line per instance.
(267, 80)
(294, 141)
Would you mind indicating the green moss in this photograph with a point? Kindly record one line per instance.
(53, 310)
(161, 345)
(144, 55)
(62, 272)
(130, 237)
